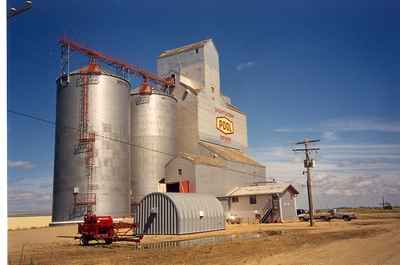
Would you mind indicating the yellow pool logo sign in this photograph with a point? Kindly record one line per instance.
(224, 125)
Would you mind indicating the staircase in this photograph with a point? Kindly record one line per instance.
(266, 215)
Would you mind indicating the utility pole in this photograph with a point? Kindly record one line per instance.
(308, 164)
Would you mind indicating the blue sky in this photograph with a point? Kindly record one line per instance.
(324, 69)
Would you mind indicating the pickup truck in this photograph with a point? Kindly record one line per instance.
(332, 214)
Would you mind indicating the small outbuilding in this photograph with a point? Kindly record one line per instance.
(267, 202)
(179, 213)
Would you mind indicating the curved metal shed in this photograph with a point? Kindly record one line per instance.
(179, 213)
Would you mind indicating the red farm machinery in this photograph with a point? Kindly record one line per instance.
(104, 228)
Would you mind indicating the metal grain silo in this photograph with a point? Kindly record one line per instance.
(153, 137)
(92, 164)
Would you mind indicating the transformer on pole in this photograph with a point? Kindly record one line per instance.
(308, 163)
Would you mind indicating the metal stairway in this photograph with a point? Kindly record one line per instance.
(266, 215)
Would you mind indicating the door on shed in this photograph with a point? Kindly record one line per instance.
(173, 187)
(276, 215)
(184, 186)
(181, 186)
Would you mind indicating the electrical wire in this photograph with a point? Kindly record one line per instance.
(76, 129)
(53, 124)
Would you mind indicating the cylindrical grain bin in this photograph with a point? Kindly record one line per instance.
(102, 111)
(153, 138)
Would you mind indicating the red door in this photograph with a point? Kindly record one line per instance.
(184, 186)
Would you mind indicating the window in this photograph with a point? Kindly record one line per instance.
(197, 50)
(235, 199)
(180, 171)
(253, 199)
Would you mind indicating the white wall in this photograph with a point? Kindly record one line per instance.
(288, 206)
(187, 172)
(202, 69)
(209, 108)
(220, 180)
(188, 63)
(246, 211)
(211, 71)
(187, 137)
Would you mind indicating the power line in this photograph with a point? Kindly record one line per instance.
(76, 129)
(53, 124)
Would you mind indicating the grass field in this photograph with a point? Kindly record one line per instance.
(371, 213)
(28, 222)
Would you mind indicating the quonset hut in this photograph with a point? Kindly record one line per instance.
(178, 213)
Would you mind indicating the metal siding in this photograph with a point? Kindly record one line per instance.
(153, 135)
(207, 115)
(178, 213)
(221, 180)
(245, 210)
(187, 126)
(288, 207)
(108, 116)
(196, 119)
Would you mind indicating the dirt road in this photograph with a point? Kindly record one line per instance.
(375, 241)
(383, 249)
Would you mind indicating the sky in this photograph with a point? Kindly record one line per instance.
(298, 69)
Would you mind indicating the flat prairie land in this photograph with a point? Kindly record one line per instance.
(371, 240)
(24, 222)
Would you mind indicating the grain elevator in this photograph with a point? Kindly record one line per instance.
(116, 144)
(212, 132)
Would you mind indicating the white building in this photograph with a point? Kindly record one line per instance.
(211, 132)
(270, 202)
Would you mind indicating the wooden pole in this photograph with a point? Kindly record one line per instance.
(308, 165)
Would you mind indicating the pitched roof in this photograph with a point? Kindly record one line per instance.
(230, 154)
(265, 188)
(185, 48)
(201, 159)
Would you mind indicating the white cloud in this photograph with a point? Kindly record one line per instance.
(329, 136)
(20, 164)
(245, 65)
(29, 194)
(346, 174)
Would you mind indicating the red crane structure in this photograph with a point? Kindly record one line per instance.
(68, 44)
(86, 137)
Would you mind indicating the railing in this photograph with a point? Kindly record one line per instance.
(86, 199)
(266, 215)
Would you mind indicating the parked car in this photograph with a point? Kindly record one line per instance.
(332, 214)
(387, 206)
(233, 219)
(301, 213)
(346, 216)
